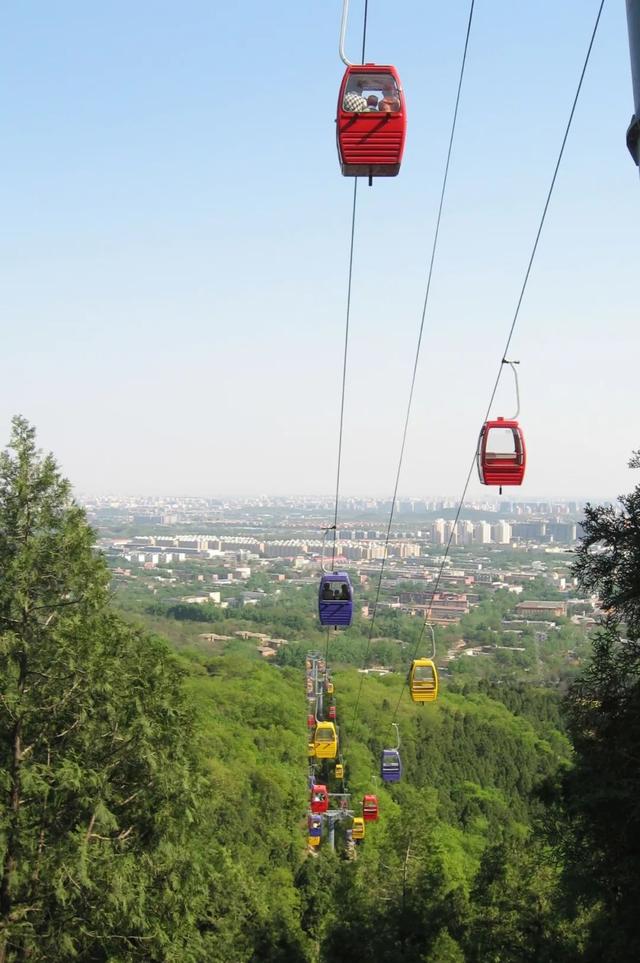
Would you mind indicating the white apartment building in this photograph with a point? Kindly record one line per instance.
(501, 533)
(437, 531)
(482, 533)
(465, 533)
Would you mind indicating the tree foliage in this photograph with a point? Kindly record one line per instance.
(153, 808)
(602, 791)
(100, 786)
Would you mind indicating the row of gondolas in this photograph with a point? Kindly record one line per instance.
(371, 126)
(335, 607)
(335, 610)
(324, 746)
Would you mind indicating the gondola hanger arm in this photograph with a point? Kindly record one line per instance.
(343, 33)
(512, 365)
(429, 626)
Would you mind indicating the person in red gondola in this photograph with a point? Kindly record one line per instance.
(372, 102)
(354, 102)
(390, 103)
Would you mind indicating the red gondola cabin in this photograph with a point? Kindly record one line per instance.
(502, 456)
(370, 808)
(372, 121)
(311, 721)
(319, 799)
(332, 713)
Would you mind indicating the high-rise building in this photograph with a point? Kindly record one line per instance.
(482, 533)
(501, 533)
(450, 534)
(529, 529)
(564, 532)
(465, 533)
(437, 531)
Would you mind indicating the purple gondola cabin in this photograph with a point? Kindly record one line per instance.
(390, 765)
(335, 599)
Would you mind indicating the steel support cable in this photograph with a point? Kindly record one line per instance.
(418, 347)
(364, 28)
(346, 327)
(514, 321)
(346, 350)
(344, 370)
(326, 651)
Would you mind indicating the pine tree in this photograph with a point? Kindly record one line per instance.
(602, 791)
(98, 783)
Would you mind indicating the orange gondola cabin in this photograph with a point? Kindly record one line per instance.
(371, 122)
(502, 456)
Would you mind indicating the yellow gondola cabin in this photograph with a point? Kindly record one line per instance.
(325, 741)
(357, 831)
(423, 681)
(339, 771)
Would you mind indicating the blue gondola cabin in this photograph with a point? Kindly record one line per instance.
(390, 765)
(335, 600)
(314, 823)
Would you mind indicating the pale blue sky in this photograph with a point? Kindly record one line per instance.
(174, 237)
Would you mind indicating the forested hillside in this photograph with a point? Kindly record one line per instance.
(475, 776)
(154, 803)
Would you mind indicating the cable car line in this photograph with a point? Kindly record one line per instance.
(343, 29)
(364, 27)
(344, 367)
(418, 348)
(323, 744)
(514, 321)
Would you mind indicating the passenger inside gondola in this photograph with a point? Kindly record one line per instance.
(336, 592)
(368, 92)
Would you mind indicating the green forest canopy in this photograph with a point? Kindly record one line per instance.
(153, 805)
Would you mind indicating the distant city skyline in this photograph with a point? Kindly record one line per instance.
(327, 498)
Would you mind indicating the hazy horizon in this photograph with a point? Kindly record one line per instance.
(344, 496)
